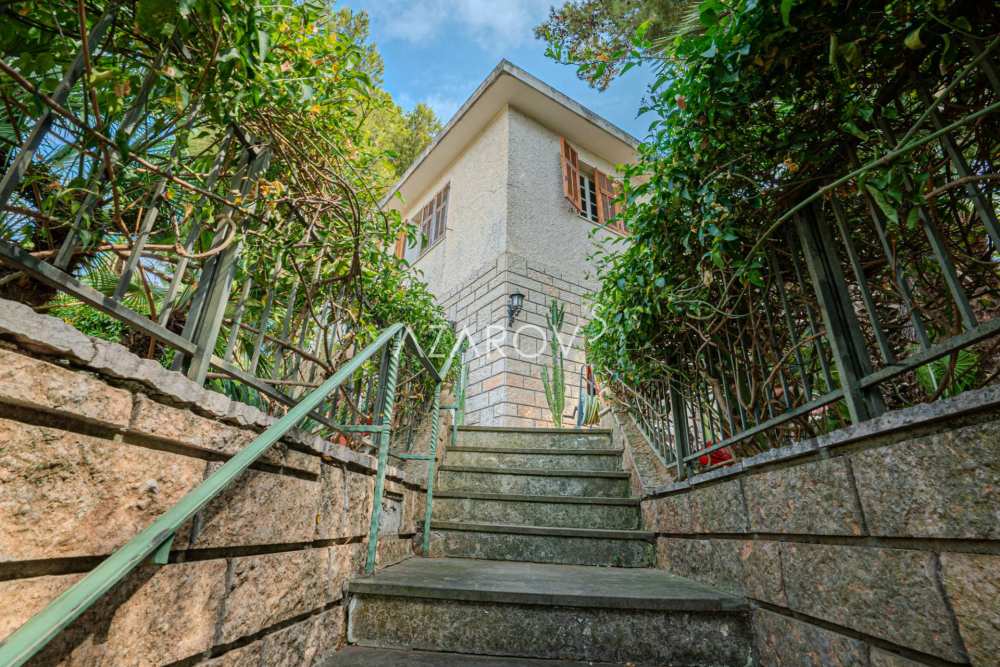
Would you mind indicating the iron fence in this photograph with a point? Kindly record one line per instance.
(879, 290)
(155, 227)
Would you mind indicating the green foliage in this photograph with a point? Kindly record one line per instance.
(299, 78)
(407, 137)
(597, 35)
(951, 375)
(753, 110)
(555, 388)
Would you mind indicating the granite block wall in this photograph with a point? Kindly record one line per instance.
(878, 544)
(95, 443)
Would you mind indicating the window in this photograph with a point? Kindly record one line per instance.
(591, 192)
(588, 198)
(432, 223)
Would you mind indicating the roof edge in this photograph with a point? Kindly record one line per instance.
(505, 67)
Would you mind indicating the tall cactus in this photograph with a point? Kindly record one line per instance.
(555, 388)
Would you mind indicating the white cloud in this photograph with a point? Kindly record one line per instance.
(494, 25)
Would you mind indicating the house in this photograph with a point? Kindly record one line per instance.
(511, 198)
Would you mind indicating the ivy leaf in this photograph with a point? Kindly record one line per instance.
(913, 41)
(710, 52)
(786, 12)
(883, 203)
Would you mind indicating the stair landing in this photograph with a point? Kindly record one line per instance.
(544, 584)
(546, 611)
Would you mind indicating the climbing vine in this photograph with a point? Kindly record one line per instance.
(762, 106)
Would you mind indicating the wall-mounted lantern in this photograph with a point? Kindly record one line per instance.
(514, 304)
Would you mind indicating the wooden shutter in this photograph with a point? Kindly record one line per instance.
(426, 218)
(570, 173)
(441, 212)
(607, 208)
(401, 243)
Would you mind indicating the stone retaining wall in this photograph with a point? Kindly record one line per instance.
(876, 545)
(95, 443)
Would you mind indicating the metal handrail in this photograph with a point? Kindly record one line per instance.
(157, 538)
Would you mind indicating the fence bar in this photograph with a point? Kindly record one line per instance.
(388, 391)
(843, 329)
(432, 467)
(859, 275)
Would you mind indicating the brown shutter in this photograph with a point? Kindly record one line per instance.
(616, 207)
(570, 173)
(426, 217)
(401, 242)
(607, 191)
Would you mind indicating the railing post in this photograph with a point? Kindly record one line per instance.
(842, 326)
(388, 384)
(213, 311)
(432, 467)
(681, 433)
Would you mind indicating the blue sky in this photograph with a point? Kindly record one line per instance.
(438, 51)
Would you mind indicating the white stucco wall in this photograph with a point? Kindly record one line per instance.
(477, 210)
(509, 228)
(541, 225)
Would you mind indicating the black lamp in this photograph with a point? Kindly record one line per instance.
(514, 303)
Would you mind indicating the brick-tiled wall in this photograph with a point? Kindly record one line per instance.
(505, 385)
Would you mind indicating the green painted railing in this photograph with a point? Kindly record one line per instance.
(157, 538)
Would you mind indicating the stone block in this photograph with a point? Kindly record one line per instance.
(762, 576)
(972, 584)
(889, 593)
(360, 496)
(717, 508)
(66, 494)
(945, 485)
(43, 386)
(880, 658)
(329, 634)
(649, 513)
(23, 598)
(332, 514)
(345, 562)
(259, 508)
(393, 549)
(268, 589)
(244, 656)
(157, 615)
(786, 642)
(811, 499)
(299, 645)
(673, 516)
(714, 562)
(43, 333)
(183, 427)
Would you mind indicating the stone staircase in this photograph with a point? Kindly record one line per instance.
(537, 557)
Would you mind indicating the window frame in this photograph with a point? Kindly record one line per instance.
(431, 222)
(588, 198)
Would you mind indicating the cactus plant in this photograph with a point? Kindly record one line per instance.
(555, 387)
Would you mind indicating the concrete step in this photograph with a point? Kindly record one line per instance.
(533, 438)
(541, 459)
(364, 656)
(542, 544)
(560, 511)
(531, 482)
(556, 612)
